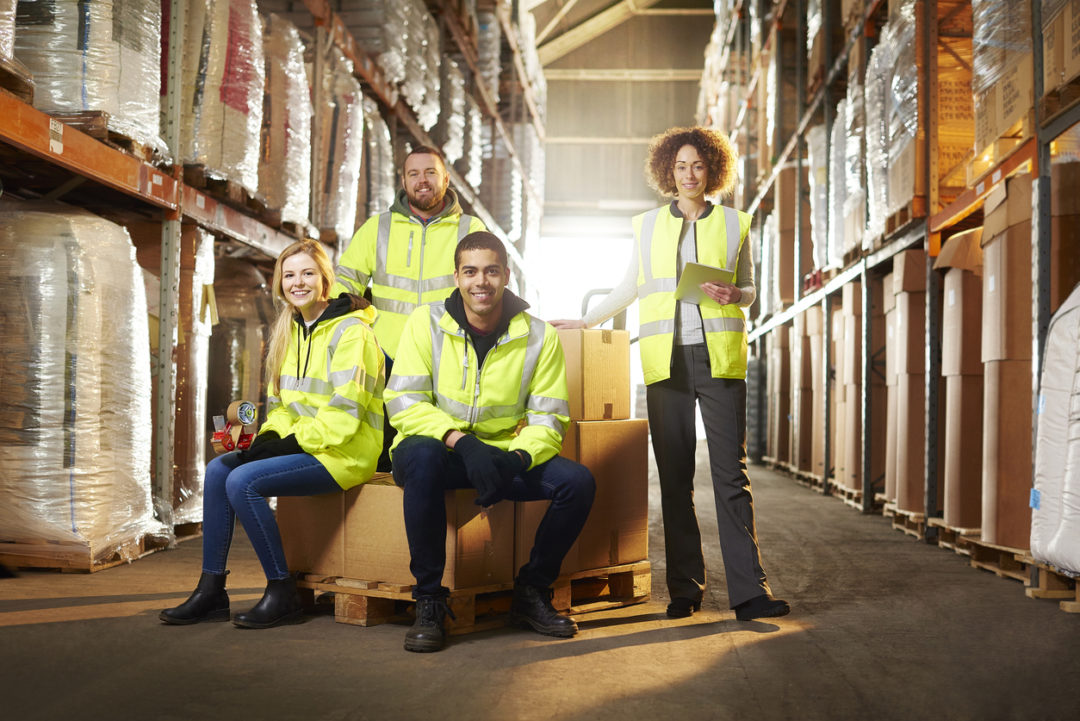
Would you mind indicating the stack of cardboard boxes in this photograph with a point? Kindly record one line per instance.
(778, 395)
(786, 267)
(802, 396)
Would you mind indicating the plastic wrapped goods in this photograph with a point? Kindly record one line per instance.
(450, 132)
(489, 49)
(285, 162)
(75, 440)
(818, 159)
(769, 297)
(837, 189)
(383, 34)
(1001, 67)
(855, 194)
(1055, 498)
(95, 55)
(470, 166)
(340, 138)
(7, 28)
(221, 108)
(420, 87)
(381, 173)
(878, 78)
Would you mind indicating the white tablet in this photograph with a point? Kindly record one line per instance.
(693, 275)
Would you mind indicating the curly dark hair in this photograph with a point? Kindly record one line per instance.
(713, 146)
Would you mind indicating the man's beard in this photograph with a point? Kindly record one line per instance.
(433, 204)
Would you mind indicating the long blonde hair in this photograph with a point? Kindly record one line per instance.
(282, 326)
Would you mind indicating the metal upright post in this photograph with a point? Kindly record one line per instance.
(826, 370)
(866, 373)
(169, 299)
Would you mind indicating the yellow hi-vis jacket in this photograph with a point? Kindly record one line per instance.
(331, 395)
(719, 235)
(518, 400)
(409, 263)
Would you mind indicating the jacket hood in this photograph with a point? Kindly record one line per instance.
(512, 304)
(451, 206)
(342, 305)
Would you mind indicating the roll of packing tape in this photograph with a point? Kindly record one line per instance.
(242, 413)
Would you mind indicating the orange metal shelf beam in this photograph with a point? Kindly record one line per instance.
(224, 220)
(36, 133)
(966, 203)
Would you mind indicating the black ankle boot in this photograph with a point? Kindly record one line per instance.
(427, 633)
(209, 602)
(279, 605)
(531, 608)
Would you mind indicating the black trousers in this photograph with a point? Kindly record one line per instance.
(672, 425)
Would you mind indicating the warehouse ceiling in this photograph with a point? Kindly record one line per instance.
(617, 74)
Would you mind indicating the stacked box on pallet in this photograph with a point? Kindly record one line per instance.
(849, 421)
(614, 447)
(802, 399)
(756, 413)
(75, 439)
(420, 86)
(471, 163)
(854, 424)
(339, 140)
(818, 160)
(837, 188)
(961, 366)
(7, 28)
(815, 332)
(380, 28)
(379, 166)
(285, 163)
(783, 269)
(768, 293)
(1006, 340)
(1061, 43)
(449, 133)
(489, 52)
(837, 399)
(1001, 77)
(891, 390)
(876, 89)
(907, 134)
(855, 176)
(778, 394)
(99, 56)
(222, 94)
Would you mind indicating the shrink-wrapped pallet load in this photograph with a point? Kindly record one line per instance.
(285, 163)
(75, 384)
(489, 49)
(1055, 497)
(1001, 75)
(878, 79)
(339, 137)
(383, 34)
(854, 207)
(818, 159)
(837, 189)
(381, 173)
(768, 294)
(7, 28)
(95, 55)
(449, 133)
(470, 166)
(222, 96)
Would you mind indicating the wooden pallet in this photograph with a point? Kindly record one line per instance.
(1002, 561)
(213, 183)
(854, 497)
(952, 538)
(852, 256)
(909, 522)
(1060, 98)
(915, 208)
(1045, 581)
(370, 603)
(95, 123)
(15, 78)
(1001, 148)
(808, 479)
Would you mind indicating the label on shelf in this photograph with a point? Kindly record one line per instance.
(56, 136)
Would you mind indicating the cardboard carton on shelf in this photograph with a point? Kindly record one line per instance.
(597, 373)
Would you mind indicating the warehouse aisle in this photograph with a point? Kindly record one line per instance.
(882, 627)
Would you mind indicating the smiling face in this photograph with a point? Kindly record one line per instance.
(691, 174)
(425, 180)
(482, 278)
(303, 285)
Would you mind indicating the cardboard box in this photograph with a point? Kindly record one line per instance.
(784, 193)
(814, 322)
(888, 299)
(851, 422)
(961, 327)
(910, 442)
(1007, 453)
(890, 347)
(597, 373)
(839, 455)
(851, 367)
(1006, 295)
(361, 534)
(963, 451)
(1054, 51)
(1006, 101)
(891, 425)
(909, 271)
(778, 441)
(962, 250)
(910, 341)
(851, 300)
(783, 265)
(803, 419)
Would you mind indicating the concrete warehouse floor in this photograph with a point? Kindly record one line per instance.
(882, 627)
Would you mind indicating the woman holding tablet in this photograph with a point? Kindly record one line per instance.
(695, 352)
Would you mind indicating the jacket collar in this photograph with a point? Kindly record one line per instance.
(513, 306)
(451, 206)
(674, 207)
(343, 305)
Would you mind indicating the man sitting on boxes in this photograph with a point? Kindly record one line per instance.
(478, 395)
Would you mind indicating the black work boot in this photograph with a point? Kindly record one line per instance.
(531, 608)
(279, 605)
(208, 602)
(427, 633)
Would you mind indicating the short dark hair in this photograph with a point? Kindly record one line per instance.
(425, 150)
(481, 240)
(713, 146)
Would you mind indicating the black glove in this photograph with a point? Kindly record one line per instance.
(480, 467)
(510, 463)
(270, 449)
(263, 438)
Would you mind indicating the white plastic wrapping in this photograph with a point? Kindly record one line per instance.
(1055, 498)
(94, 55)
(7, 28)
(855, 192)
(75, 438)
(902, 104)
(503, 195)
(381, 173)
(285, 163)
(838, 188)
(450, 131)
(770, 293)
(385, 36)
(489, 50)
(471, 163)
(1001, 38)
(221, 111)
(814, 19)
(878, 78)
(818, 159)
(340, 142)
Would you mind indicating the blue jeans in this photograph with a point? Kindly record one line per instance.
(235, 490)
(425, 468)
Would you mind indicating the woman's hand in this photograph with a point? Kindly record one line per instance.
(564, 324)
(722, 293)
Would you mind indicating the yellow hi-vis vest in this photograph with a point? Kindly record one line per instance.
(719, 235)
(409, 264)
(518, 400)
(333, 403)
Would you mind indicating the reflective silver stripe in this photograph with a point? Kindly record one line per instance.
(402, 403)
(339, 329)
(656, 327)
(346, 405)
(551, 422)
(303, 409)
(734, 235)
(543, 404)
(719, 325)
(463, 226)
(437, 310)
(373, 419)
(397, 282)
(273, 401)
(537, 329)
(657, 285)
(387, 305)
(306, 385)
(401, 384)
(648, 225)
(441, 282)
(457, 409)
(354, 276)
(366, 381)
(382, 248)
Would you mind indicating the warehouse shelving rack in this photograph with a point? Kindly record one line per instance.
(925, 232)
(84, 171)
